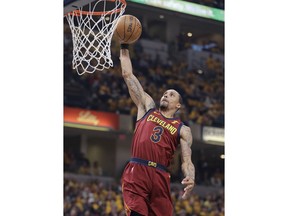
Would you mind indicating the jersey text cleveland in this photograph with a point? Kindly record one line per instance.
(164, 124)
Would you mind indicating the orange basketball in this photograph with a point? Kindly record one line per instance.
(128, 29)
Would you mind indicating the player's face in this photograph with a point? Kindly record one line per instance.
(170, 99)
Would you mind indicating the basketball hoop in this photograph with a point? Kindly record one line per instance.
(92, 28)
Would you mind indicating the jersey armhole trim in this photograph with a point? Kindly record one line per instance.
(145, 114)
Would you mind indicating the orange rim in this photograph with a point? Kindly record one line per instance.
(79, 12)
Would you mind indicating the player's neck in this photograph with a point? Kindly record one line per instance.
(167, 114)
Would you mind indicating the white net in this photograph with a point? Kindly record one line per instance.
(92, 28)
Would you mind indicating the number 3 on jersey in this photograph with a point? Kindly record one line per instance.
(156, 136)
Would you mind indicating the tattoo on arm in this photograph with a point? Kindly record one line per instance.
(188, 168)
(135, 89)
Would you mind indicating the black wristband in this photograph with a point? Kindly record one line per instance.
(124, 46)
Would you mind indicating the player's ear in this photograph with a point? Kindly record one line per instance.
(178, 105)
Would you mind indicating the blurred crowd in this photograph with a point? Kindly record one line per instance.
(76, 162)
(202, 90)
(101, 199)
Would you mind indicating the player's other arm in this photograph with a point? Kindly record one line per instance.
(142, 100)
(187, 166)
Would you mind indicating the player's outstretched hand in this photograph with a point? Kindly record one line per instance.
(189, 183)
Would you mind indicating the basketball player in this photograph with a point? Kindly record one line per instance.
(145, 180)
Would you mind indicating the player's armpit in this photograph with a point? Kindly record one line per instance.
(149, 102)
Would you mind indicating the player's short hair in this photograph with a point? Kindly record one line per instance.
(180, 97)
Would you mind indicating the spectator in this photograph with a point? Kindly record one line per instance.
(96, 169)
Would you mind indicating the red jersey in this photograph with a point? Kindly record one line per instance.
(156, 137)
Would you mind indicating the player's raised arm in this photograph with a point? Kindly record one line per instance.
(142, 100)
(187, 166)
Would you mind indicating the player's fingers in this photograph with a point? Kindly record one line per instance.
(185, 195)
(188, 188)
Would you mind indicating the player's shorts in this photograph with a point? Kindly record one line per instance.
(146, 190)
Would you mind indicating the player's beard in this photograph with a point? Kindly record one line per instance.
(163, 106)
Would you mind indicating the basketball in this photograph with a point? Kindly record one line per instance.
(128, 29)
